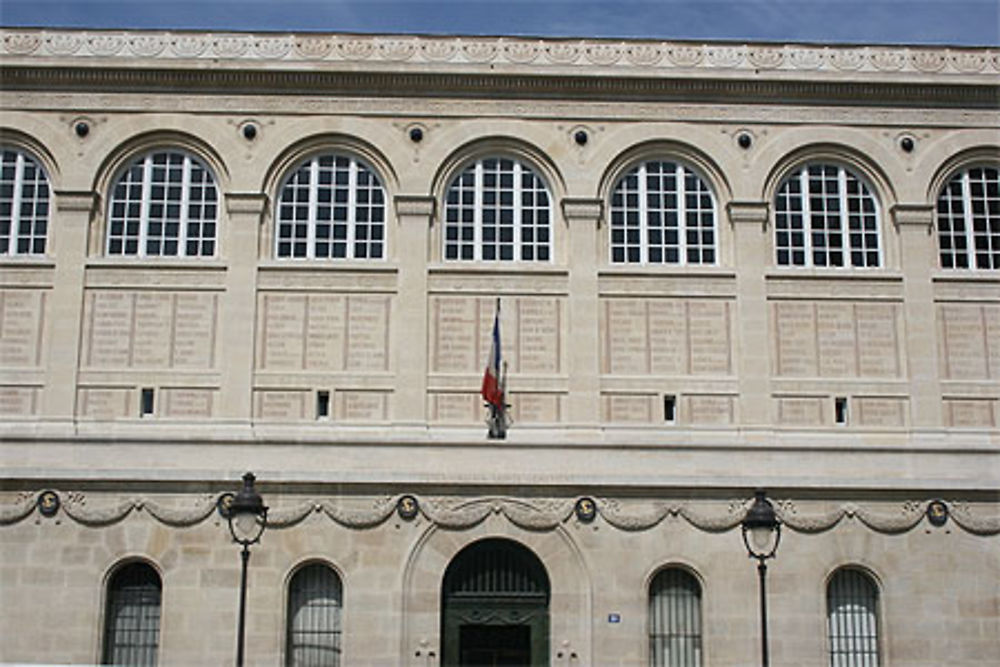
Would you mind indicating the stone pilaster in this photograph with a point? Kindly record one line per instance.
(918, 257)
(238, 316)
(409, 321)
(68, 244)
(583, 217)
(749, 222)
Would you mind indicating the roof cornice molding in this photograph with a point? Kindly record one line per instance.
(498, 55)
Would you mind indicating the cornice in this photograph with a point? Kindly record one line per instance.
(593, 88)
(624, 57)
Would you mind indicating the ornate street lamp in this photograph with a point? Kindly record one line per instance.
(247, 520)
(761, 534)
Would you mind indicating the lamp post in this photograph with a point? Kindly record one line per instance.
(247, 520)
(761, 534)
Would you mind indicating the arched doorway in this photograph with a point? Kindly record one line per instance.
(495, 607)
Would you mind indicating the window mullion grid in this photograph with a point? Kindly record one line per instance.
(643, 217)
(679, 174)
(352, 203)
(967, 221)
(15, 210)
(516, 215)
(311, 210)
(806, 218)
(477, 213)
(182, 220)
(846, 247)
(144, 206)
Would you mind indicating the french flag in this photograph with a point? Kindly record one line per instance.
(492, 390)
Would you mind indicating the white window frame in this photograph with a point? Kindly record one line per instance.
(846, 248)
(145, 203)
(968, 233)
(680, 175)
(311, 221)
(14, 237)
(517, 207)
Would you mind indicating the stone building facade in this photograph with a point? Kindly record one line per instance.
(721, 267)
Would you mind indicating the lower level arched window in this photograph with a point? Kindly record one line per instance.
(132, 616)
(315, 601)
(852, 617)
(674, 619)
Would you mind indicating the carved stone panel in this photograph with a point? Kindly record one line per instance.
(18, 401)
(629, 408)
(323, 332)
(281, 405)
(969, 347)
(704, 409)
(461, 330)
(971, 412)
(363, 405)
(456, 408)
(149, 329)
(536, 407)
(836, 339)
(109, 403)
(800, 411)
(22, 312)
(187, 403)
(871, 411)
(666, 336)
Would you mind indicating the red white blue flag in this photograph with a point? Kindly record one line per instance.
(492, 390)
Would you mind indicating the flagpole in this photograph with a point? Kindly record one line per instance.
(496, 372)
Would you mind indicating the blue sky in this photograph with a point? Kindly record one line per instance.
(968, 22)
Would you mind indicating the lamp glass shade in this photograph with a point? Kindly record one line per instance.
(762, 539)
(246, 526)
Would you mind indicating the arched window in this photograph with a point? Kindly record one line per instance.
(826, 216)
(315, 602)
(497, 209)
(331, 207)
(132, 616)
(674, 619)
(852, 617)
(662, 213)
(968, 219)
(164, 204)
(24, 204)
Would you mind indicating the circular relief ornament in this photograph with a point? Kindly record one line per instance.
(21, 42)
(995, 59)
(224, 503)
(48, 503)
(189, 46)
(937, 513)
(407, 508)
(62, 44)
(313, 47)
(685, 56)
(644, 54)
(585, 509)
(847, 59)
(563, 53)
(272, 47)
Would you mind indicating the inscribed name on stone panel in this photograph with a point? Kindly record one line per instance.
(970, 341)
(709, 409)
(281, 405)
(804, 411)
(18, 401)
(188, 403)
(878, 342)
(368, 333)
(536, 408)
(282, 321)
(107, 336)
(538, 335)
(880, 411)
(456, 408)
(454, 334)
(364, 405)
(628, 408)
(972, 412)
(326, 315)
(104, 403)
(21, 317)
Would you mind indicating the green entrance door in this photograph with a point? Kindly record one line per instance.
(496, 607)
